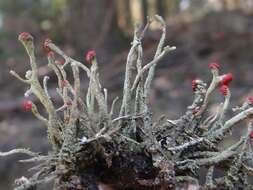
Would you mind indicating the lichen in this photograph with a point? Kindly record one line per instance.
(93, 143)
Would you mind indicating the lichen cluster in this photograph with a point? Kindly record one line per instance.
(120, 144)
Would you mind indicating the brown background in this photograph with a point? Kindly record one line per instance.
(203, 31)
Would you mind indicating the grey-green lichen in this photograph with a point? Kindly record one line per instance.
(88, 136)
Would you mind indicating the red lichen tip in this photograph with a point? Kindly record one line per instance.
(27, 105)
(227, 79)
(45, 45)
(196, 110)
(64, 83)
(50, 54)
(90, 56)
(224, 90)
(250, 101)
(194, 84)
(59, 62)
(24, 36)
(251, 135)
(214, 66)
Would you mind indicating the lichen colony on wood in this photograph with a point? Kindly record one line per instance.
(126, 149)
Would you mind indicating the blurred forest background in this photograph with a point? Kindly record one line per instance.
(204, 31)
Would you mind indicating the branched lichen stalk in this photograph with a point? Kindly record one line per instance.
(131, 58)
(159, 49)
